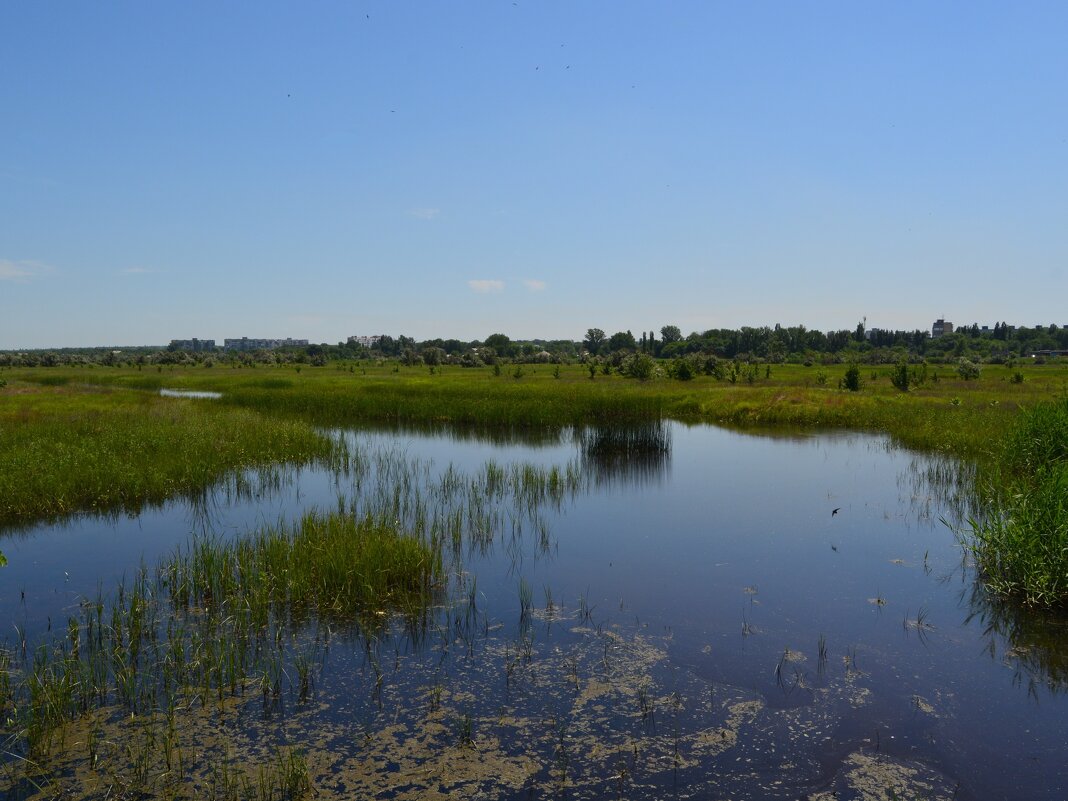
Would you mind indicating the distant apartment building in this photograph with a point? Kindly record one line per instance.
(193, 344)
(941, 327)
(244, 343)
(367, 342)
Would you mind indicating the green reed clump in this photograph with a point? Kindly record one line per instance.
(1021, 546)
(1039, 438)
(473, 400)
(625, 441)
(332, 565)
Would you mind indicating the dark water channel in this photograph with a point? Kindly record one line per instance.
(688, 620)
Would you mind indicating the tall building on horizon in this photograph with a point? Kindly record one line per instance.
(941, 327)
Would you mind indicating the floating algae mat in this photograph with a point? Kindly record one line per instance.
(667, 612)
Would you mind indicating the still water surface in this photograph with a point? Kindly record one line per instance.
(702, 626)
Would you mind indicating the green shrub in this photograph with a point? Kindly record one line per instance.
(900, 376)
(967, 369)
(640, 366)
(682, 370)
(851, 380)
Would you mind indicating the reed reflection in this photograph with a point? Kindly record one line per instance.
(625, 455)
(1029, 641)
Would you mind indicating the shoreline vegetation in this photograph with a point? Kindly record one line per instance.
(98, 439)
(1021, 544)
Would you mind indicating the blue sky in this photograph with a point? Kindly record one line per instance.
(536, 168)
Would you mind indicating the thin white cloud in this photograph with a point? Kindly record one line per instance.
(534, 285)
(424, 213)
(21, 271)
(486, 286)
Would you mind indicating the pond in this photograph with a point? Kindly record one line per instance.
(676, 611)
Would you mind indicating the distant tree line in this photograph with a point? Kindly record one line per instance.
(772, 344)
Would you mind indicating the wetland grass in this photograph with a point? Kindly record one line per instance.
(1021, 544)
(199, 633)
(222, 623)
(923, 418)
(65, 448)
(327, 565)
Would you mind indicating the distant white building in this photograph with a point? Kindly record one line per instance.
(244, 343)
(366, 341)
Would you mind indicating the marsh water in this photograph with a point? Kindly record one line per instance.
(698, 613)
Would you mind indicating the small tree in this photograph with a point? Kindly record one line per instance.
(500, 343)
(671, 333)
(433, 356)
(900, 376)
(595, 337)
(622, 340)
(851, 381)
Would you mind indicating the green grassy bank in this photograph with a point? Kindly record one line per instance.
(945, 413)
(68, 447)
